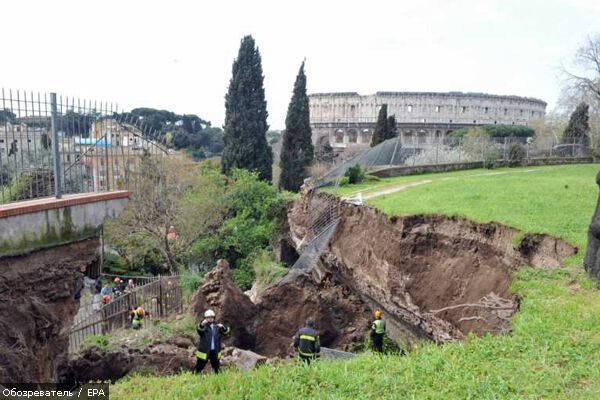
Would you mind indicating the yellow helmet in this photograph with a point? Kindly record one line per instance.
(377, 313)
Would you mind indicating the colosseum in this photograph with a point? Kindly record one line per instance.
(346, 120)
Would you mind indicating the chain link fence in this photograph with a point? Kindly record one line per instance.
(52, 145)
(419, 151)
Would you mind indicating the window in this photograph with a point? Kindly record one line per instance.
(463, 109)
(474, 121)
(505, 111)
(495, 122)
(438, 109)
(486, 109)
(450, 121)
(533, 113)
(1, 140)
(423, 120)
(68, 157)
(521, 112)
(409, 108)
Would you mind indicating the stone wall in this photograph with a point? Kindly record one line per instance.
(347, 119)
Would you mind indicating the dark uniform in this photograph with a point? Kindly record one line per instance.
(209, 345)
(377, 332)
(306, 342)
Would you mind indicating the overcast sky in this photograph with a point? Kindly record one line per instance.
(177, 55)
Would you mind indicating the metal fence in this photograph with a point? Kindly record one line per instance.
(160, 298)
(414, 151)
(52, 145)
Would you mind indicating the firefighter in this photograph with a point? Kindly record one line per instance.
(377, 332)
(306, 342)
(209, 345)
(137, 317)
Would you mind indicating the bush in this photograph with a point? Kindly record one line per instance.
(190, 282)
(516, 155)
(243, 277)
(498, 131)
(355, 174)
(490, 158)
(266, 269)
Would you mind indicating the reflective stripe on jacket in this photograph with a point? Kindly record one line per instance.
(306, 342)
(378, 327)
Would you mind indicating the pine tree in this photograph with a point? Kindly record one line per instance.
(381, 128)
(578, 126)
(244, 138)
(392, 131)
(297, 151)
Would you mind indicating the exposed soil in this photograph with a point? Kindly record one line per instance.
(95, 363)
(434, 277)
(36, 309)
(437, 276)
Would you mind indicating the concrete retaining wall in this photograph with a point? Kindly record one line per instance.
(35, 225)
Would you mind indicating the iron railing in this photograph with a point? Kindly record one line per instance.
(52, 145)
(160, 298)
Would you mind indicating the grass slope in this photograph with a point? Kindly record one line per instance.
(553, 351)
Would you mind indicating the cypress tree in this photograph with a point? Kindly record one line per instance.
(392, 131)
(578, 126)
(244, 137)
(297, 149)
(381, 128)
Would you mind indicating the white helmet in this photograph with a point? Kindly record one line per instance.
(209, 313)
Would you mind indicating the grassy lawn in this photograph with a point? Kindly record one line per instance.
(553, 351)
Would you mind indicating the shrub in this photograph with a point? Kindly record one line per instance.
(266, 269)
(490, 158)
(498, 131)
(516, 155)
(355, 174)
(190, 282)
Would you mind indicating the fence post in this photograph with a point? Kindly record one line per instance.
(437, 146)
(55, 148)
(160, 299)
(459, 147)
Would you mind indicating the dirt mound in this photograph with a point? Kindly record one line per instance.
(233, 307)
(37, 309)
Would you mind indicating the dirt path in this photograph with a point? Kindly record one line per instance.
(398, 188)
(395, 189)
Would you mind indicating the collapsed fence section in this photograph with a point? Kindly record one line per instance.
(160, 298)
(52, 145)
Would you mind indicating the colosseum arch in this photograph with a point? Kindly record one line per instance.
(352, 136)
(365, 136)
(339, 136)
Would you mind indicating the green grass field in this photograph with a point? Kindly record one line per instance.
(553, 351)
